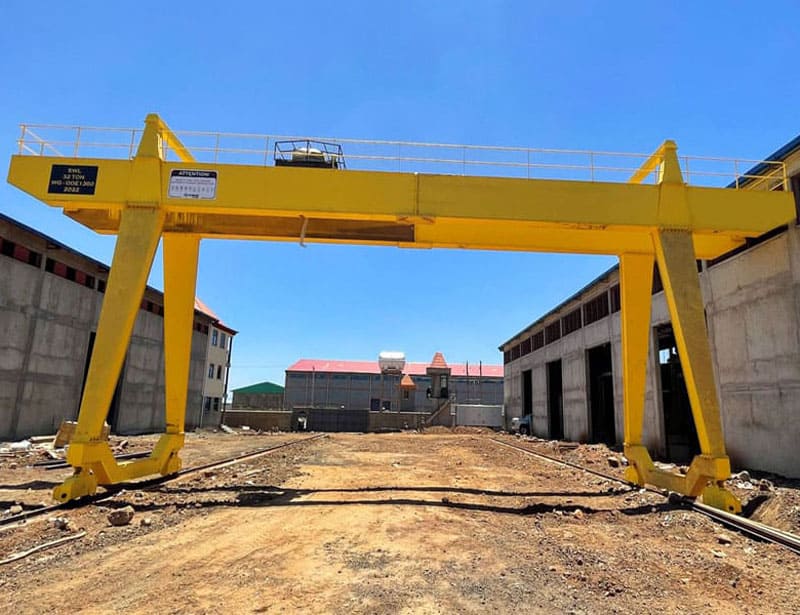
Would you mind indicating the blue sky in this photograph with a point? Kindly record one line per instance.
(718, 77)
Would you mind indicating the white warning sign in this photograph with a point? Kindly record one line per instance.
(190, 184)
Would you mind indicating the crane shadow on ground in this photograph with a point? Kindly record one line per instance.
(269, 496)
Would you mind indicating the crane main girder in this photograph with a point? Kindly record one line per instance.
(146, 198)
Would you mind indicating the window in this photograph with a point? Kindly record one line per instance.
(552, 332)
(525, 346)
(214, 333)
(507, 356)
(538, 339)
(405, 394)
(20, 253)
(223, 339)
(215, 407)
(206, 404)
(219, 372)
(613, 296)
(211, 370)
(571, 322)
(515, 352)
(595, 309)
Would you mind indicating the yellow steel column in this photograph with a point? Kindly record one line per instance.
(636, 283)
(89, 453)
(180, 275)
(676, 262)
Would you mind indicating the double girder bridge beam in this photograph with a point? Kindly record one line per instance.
(147, 197)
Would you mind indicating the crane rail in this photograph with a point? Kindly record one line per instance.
(740, 524)
(112, 490)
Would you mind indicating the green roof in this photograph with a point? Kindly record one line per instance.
(261, 387)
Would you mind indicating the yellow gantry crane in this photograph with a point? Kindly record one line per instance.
(160, 192)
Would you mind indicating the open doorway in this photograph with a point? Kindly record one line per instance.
(527, 392)
(601, 395)
(680, 432)
(112, 417)
(555, 400)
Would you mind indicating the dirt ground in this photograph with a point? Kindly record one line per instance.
(770, 499)
(394, 523)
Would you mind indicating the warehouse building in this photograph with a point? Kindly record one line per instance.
(50, 299)
(565, 368)
(259, 396)
(391, 385)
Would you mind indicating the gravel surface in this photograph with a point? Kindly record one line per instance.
(394, 523)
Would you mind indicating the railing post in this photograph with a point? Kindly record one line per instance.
(77, 141)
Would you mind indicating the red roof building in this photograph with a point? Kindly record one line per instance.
(371, 367)
(418, 387)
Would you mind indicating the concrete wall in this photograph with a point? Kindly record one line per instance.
(754, 316)
(479, 415)
(261, 401)
(46, 322)
(753, 312)
(379, 421)
(264, 420)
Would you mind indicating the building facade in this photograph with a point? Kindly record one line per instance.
(218, 363)
(416, 387)
(565, 368)
(50, 299)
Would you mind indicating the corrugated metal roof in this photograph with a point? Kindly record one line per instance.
(261, 387)
(371, 367)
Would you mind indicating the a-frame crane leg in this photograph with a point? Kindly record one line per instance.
(89, 453)
(141, 226)
(675, 255)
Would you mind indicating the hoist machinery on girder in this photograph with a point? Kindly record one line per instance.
(147, 186)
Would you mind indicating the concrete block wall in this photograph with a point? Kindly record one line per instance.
(753, 307)
(47, 320)
(264, 420)
(45, 326)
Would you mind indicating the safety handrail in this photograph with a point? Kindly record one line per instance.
(409, 156)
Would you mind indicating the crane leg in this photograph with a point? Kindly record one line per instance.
(708, 470)
(89, 453)
(180, 277)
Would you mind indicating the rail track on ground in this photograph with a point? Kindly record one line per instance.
(743, 525)
(143, 485)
